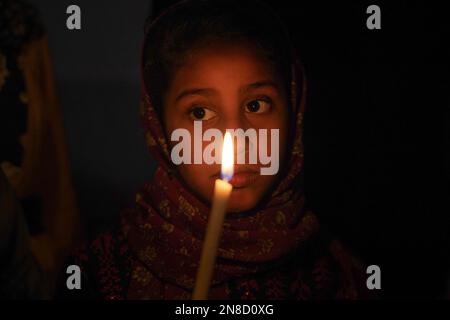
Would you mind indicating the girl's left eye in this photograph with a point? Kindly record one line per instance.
(258, 106)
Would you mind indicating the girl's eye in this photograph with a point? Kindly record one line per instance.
(258, 106)
(200, 113)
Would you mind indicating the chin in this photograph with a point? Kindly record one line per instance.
(242, 200)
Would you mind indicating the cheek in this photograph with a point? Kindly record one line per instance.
(198, 179)
(275, 121)
(172, 123)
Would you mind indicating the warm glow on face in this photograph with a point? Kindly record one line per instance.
(227, 157)
(227, 69)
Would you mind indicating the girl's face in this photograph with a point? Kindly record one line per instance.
(227, 87)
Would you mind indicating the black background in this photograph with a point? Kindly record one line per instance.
(376, 128)
(97, 77)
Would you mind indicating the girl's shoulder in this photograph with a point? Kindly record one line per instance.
(104, 268)
(353, 276)
(334, 265)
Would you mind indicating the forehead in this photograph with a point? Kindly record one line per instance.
(223, 67)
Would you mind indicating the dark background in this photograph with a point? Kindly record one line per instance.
(97, 77)
(376, 127)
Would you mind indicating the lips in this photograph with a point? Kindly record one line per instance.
(242, 177)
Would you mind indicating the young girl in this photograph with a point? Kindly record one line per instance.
(230, 65)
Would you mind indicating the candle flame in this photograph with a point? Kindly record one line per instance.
(227, 157)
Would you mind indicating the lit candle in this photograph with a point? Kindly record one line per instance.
(222, 191)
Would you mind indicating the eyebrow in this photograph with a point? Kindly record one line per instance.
(211, 91)
(259, 84)
(194, 91)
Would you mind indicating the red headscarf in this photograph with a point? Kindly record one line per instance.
(166, 231)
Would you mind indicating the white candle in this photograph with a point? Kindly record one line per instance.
(222, 192)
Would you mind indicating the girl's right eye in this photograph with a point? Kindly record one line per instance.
(201, 113)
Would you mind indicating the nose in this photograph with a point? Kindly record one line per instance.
(241, 143)
(234, 120)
